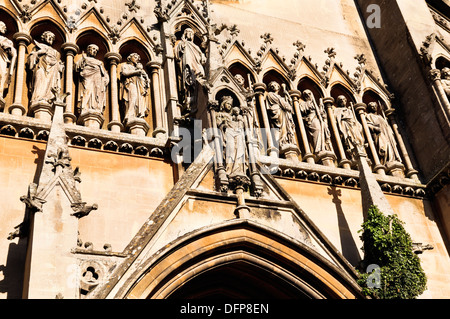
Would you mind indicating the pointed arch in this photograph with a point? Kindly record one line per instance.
(341, 89)
(49, 25)
(92, 36)
(238, 67)
(307, 83)
(442, 62)
(9, 19)
(269, 262)
(275, 75)
(134, 46)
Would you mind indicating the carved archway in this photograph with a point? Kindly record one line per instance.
(220, 260)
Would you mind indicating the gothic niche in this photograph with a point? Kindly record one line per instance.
(8, 56)
(280, 110)
(190, 63)
(235, 146)
(92, 87)
(46, 67)
(134, 94)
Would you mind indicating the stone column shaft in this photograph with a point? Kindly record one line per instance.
(71, 49)
(344, 162)
(114, 125)
(260, 88)
(308, 154)
(159, 129)
(361, 109)
(23, 39)
(410, 171)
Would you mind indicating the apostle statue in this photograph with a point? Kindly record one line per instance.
(382, 134)
(135, 84)
(315, 119)
(231, 123)
(350, 129)
(280, 110)
(445, 80)
(46, 66)
(8, 56)
(93, 83)
(190, 60)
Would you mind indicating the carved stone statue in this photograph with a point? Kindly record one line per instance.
(8, 55)
(315, 120)
(231, 123)
(45, 63)
(383, 135)
(349, 128)
(134, 88)
(94, 80)
(279, 109)
(445, 80)
(190, 61)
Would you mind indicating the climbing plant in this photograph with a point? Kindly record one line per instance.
(394, 270)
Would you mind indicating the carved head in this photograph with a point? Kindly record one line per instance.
(2, 27)
(92, 50)
(273, 86)
(239, 79)
(48, 37)
(308, 95)
(226, 103)
(188, 34)
(372, 107)
(445, 73)
(134, 58)
(341, 101)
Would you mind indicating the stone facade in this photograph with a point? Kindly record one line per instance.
(184, 148)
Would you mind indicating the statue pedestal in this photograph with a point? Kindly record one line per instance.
(138, 127)
(42, 111)
(290, 152)
(91, 119)
(395, 169)
(327, 158)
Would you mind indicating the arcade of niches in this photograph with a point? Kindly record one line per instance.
(153, 86)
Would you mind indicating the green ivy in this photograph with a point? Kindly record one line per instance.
(388, 245)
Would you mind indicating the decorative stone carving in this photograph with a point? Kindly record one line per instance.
(315, 119)
(383, 136)
(191, 72)
(280, 110)
(350, 129)
(8, 56)
(46, 65)
(135, 85)
(92, 89)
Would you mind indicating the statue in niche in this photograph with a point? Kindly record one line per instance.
(45, 63)
(315, 119)
(383, 135)
(94, 80)
(8, 56)
(349, 128)
(230, 122)
(280, 110)
(134, 88)
(445, 80)
(248, 110)
(190, 61)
